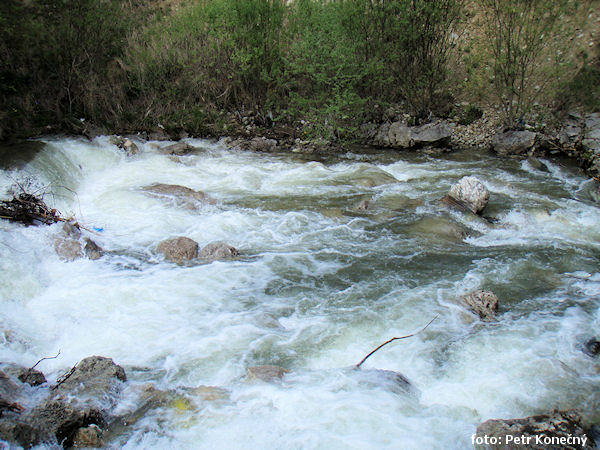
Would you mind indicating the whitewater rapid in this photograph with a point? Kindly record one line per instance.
(318, 285)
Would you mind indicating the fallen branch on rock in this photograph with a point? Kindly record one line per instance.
(394, 339)
(64, 378)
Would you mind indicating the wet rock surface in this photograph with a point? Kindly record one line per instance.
(72, 413)
(218, 251)
(69, 244)
(179, 250)
(556, 431)
(182, 196)
(266, 373)
(483, 303)
(94, 376)
(471, 192)
(125, 144)
(178, 149)
(30, 376)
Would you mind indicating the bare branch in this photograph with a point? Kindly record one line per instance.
(43, 359)
(395, 339)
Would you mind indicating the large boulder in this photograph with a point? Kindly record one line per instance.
(179, 250)
(400, 135)
(513, 142)
(483, 303)
(471, 192)
(181, 195)
(217, 251)
(561, 430)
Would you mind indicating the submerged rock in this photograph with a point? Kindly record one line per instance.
(182, 195)
(179, 250)
(559, 430)
(592, 347)
(471, 192)
(483, 303)
(439, 227)
(537, 164)
(513, 142)
(266, 373)
(92, 250)
(217, 251)
(69, 246)
(362, 206)
(124, 144)
(387, 379)
(178, 149)
(151, 398)
(88, 437)
(68, 249)
(19, 432)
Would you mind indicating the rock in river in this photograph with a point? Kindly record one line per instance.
(179, 250)
(557, 431)
(217, 251)
(471, 192)
(181, 195)
(484, 303)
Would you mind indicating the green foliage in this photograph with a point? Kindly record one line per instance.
(56, 56)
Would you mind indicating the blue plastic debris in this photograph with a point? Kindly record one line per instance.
(98, 229)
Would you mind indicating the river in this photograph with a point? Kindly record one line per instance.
(319, 284)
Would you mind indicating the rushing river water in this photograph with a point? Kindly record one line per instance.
(319, 284)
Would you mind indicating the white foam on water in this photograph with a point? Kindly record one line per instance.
(310, 292)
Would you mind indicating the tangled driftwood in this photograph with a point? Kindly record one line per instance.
(29, 210)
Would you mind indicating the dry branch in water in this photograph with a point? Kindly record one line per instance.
(43, 359)
(64, 378)
(29, 210)
(394, 339)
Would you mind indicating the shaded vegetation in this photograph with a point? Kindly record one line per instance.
(308, 68)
